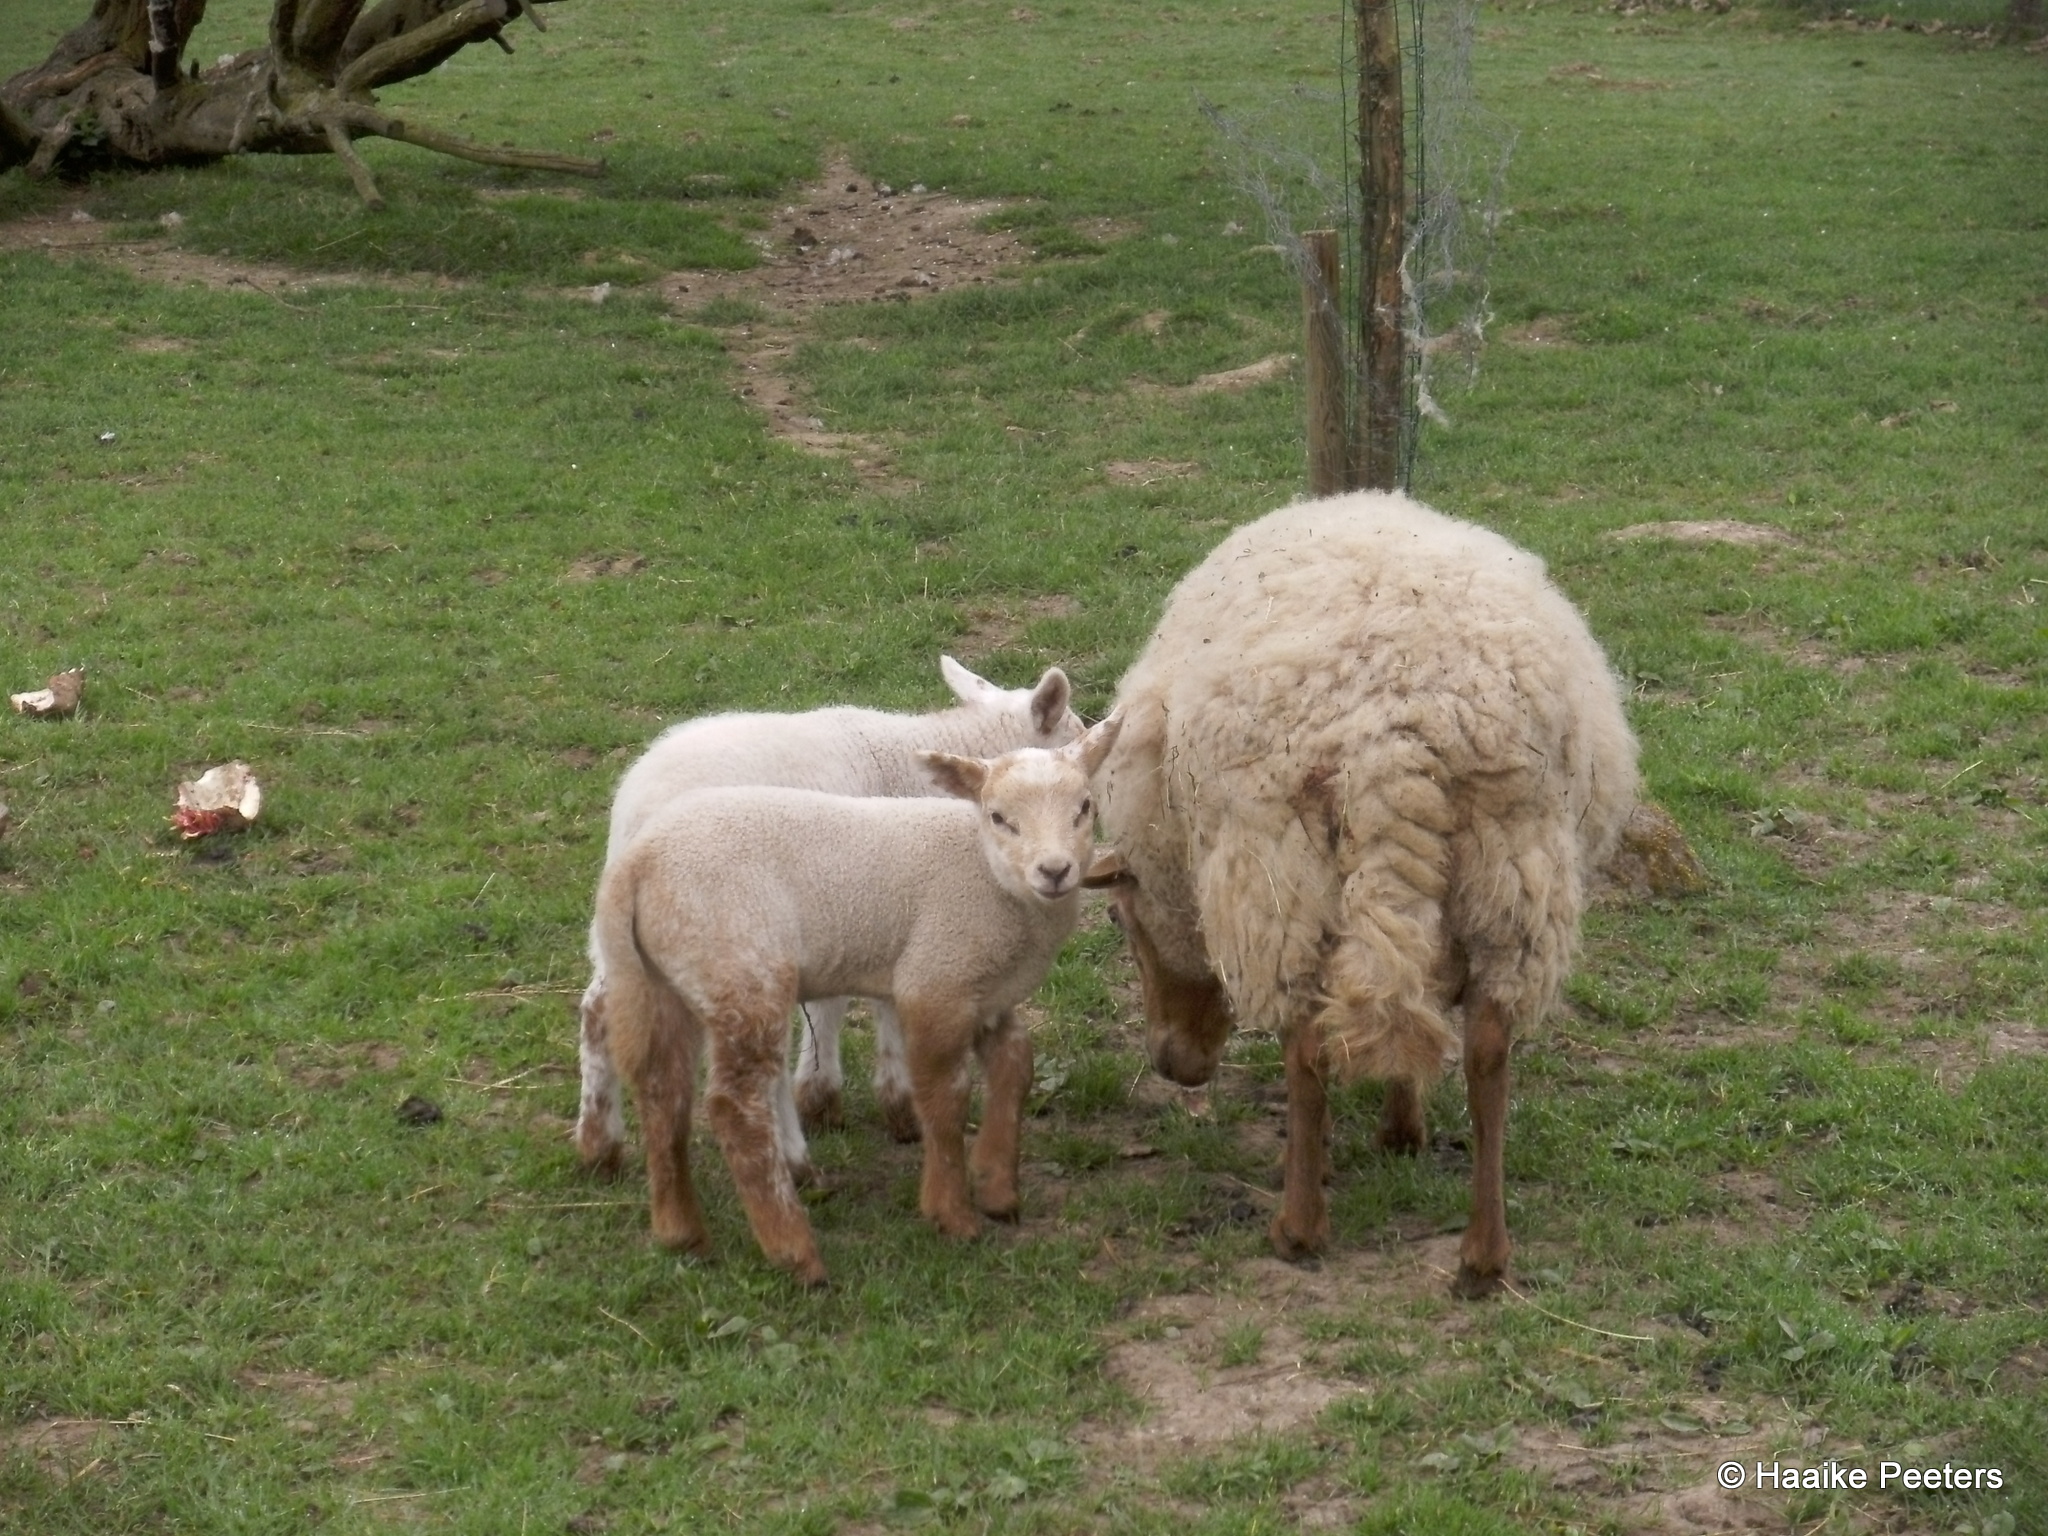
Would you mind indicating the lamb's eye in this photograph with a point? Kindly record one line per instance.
(1087, 805)
(1000, 820)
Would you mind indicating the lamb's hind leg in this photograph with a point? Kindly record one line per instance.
(1302, 1228)
(1483, 1255)
(749, 1053)
(600, 1116)
(664, 1089)
(820, 1080)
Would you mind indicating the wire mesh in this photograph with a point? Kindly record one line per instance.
(1298, 159)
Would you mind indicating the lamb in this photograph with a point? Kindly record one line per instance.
(1371, 757)
(843, 751)
(733, 905)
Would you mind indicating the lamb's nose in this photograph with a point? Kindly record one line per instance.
(1055, 875)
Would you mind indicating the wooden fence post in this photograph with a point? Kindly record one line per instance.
(1382, 207)
(1328, 435)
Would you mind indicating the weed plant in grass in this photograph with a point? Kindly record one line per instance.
(437, 551)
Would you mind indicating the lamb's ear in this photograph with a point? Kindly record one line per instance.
(1049, 701)
(962, 776)
(967, 688)
(1106, 869)
(1092, 748)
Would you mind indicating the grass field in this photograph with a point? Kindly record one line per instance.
(436, 544)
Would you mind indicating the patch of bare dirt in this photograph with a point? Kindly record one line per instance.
(1000, 626)
(846, 239)
(760, 353)
(591, 567)
(62, 1449)
(1544, 331)
(154, 259)
(307, 1393)
(1148, 471)
(1713, 531)
(1599, 79)
(335, 1066)
(1231, 381)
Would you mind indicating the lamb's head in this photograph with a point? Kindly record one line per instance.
(1037, 810)
(1187, 1013)
(1042, 714)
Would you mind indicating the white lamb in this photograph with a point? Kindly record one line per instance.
(842, 751)
(734, 905)
(1371, 757)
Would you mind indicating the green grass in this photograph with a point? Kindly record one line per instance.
(438, 551)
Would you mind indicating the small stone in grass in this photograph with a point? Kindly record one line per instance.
(418, 1111)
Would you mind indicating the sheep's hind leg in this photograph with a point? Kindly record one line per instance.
(664, 1087)
(1402, 1126)
(892, 1075)
(1483, 1255)
(820, 1081)
(600, 1116)
(1005, 1052)
(936, 1041)
(1302, 1229)
(748, 1055)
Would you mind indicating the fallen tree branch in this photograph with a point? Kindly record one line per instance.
(416, 52)
(358, 172)
(468, 149)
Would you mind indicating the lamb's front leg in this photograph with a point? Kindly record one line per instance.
(1005, 1051)
(936, 1039)
(1302, 1228)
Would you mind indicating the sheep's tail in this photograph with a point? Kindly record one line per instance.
(1388, 971)
(638, 999)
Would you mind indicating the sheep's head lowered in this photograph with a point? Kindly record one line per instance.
(1037, 810)
(1187, 1016)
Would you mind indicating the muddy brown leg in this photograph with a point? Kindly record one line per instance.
(1402, 1127)
(1302, 1228)
(1005, 1051)
(663, 1088)
(1483, 1255)
(747, 1045)
(936, 1043)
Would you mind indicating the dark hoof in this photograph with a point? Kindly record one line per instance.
(1473, 1285)
(819, 1107)
(695, 1243)
(900, 1117)
(811, 1276)
(1295, 1250)
(1009, 1215)
(607, 1164)
(1401, 1140)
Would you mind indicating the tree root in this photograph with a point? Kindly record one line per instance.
(309, 90)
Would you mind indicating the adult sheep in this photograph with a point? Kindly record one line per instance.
(1370, 757)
